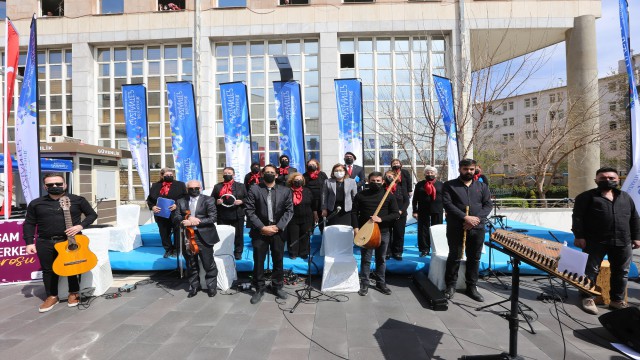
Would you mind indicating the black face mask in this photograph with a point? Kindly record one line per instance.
(396, 167)
(430, 177)
(193, 192)
(167, 178)
(297, 183)
(375, 186)
(56, 190)
(348, 161)
(607, 185)
(227, 178)
(466, 177)
(255, 170)
(312, 168)
(284, 163)
(269, 178)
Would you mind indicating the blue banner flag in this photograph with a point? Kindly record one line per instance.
(184, 132)
(350, 122)
(27, 127)
(289, 116)
(237, 130)
(632, 182)
(444, 91)
(134, 101)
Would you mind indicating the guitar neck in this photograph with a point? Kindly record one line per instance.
(68, 222)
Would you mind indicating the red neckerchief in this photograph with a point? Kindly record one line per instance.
(430, 189)
(297, 195)
(165, 188)
(314, 175)
(349, 170)
(399, 172)
(477, 176)
(284, 171)
(255, 178)
(393, 188)
(226, 188)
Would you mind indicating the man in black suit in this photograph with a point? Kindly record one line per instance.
(172, 189)
(269, 208)
(355, 172)
(202, 219)
(229, 197)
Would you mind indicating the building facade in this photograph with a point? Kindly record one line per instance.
(88, 49)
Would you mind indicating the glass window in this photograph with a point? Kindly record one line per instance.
(232, 3)
(112, 7)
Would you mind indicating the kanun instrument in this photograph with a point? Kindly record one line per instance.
(368, 235)
(542, 254)
(74, 255)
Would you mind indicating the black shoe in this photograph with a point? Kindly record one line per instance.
(374, 276)
(424, 253)
(166, 254)
(473, 293)
(382, 287)
(257, 296)
(212, 292)
(193, 292)
(397, 257)
(450, 292)
(364, 289)
(238, 256)
(387, 257)
(305, 256)
(174, 253)
(281, 294)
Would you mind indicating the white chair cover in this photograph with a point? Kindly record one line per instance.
(125, 236)
(100, 277)
(439, 254)
(340, 272)
(223, 256)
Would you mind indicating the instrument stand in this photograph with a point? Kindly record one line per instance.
(305, 294)
(489, 272)
(513, 319)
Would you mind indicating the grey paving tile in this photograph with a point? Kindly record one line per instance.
(398, 343)
(478, 341)
(361, 338)
(154, 311)
(110, 343)
(295, 331)
(8, 343)
(208, 353)
(289, 354)
(254, 344)
(328, 340)
(38, 343)
(164, 328)
(210, 314)
(135, 351)
(268, 317)
(366, 353)
(228, 331)
(191, 334)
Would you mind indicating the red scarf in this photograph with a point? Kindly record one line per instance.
(297, 195)
(314, 175)
(284, 171)
(165, 188)
(255, 178)
(393, 188)
(477, 176)
(399, 173)
(226, 188)
(430, 189)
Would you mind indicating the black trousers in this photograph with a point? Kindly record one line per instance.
(425, 221)
(473, 250)
(166, 228)
(238, 242)
(380, 251)
(619, 260)
(261, 245)
(298, 246)
(396, 246)
(208, 264)
(47, 254)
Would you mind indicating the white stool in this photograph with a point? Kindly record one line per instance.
(125, 236)
(340, 272)
(223, 256)
(439, 254)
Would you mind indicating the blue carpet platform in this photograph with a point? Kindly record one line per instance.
(149, 256)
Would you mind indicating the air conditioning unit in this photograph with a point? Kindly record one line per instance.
(64, 139)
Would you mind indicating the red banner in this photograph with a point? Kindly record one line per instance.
(12, 53)
(15, 264)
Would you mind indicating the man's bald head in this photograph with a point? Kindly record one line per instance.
(193, 184)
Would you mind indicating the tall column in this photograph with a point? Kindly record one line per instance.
(582, 102)
(461, 81)
(83, 93)
(329, 142)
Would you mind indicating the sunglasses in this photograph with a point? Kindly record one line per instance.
(49, 185)
(193, 188)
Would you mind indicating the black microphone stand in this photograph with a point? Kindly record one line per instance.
(305, 294)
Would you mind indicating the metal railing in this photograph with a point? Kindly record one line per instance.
(566, 203)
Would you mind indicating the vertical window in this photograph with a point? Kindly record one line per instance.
(112, 7)
(510, 105)
(232, 3)
(527, 119)
(527, 103)
(3, 9)
(534, 101)
(511, 121)
(52, 7)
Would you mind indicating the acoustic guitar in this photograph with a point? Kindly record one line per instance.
(368, 235)
(74, 255)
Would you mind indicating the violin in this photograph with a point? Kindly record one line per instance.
(190, 237)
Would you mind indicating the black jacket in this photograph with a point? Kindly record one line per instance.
(316, 188)
(236, 211)
(402, 199)
(256, 208)
(456, 196)
(282, 179)
(357, 171)
(597, 219)
(205, 211)
(303, 212)
(247, 177)
(177, 191)
(365, 204)
(423, 204)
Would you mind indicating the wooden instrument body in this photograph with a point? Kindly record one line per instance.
(74, 255)
(368, 236)
(190, 237)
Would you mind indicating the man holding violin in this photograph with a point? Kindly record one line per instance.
(198, 212)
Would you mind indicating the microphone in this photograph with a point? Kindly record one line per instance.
(334, 213)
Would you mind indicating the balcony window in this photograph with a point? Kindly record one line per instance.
(52, 7)
(171, 5)
(112, 7)
(232, 3)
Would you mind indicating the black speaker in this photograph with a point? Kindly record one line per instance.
(624, 324)
(434, 296)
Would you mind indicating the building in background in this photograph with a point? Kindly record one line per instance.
(88, 49)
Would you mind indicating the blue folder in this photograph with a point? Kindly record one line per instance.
(164, 204)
